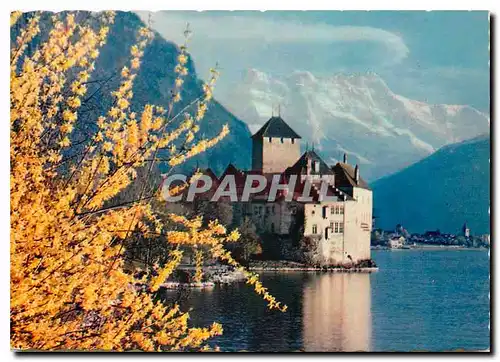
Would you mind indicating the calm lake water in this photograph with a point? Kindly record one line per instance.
(433, 300)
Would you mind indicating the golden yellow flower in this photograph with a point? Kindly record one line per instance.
(134, 51)
(178, 82)
(65, 142)
(94, 53)
(66, 252)
(67, 128)
(125, 72)
(114, 112)
(74, 102)
(122, 103)
(234, 236)
(107, 146)
(182, 59)
(101, 122)
(135, 63)
(69, 115)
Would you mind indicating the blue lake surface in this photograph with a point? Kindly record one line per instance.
(419, 300)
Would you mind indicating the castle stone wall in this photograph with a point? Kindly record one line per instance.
(353, 243)
(273, 155)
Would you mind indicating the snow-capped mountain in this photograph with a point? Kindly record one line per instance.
(357, 114)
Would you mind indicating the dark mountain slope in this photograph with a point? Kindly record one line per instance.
(440, 192)
(153, 84)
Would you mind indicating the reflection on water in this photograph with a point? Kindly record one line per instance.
(336, 313)
(418, 300)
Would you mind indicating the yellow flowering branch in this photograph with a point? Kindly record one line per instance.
(69, 285)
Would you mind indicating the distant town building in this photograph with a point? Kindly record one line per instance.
(396, 242)
(431, 234)
(399, 229)
(485, 239)
(465, 230)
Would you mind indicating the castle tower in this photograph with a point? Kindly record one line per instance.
(275, 147)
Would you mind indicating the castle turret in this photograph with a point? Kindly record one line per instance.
(275, 147)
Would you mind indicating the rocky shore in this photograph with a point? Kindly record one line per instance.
(212, 275)
(222, 274)
(283, 265)
(178, 285)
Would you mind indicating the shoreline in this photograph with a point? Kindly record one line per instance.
(274, 269)
(179, 285)
(291, 266)
(315, 269)
(430, 247)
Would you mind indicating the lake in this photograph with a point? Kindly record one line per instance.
(419, 300)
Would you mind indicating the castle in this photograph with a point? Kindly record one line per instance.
(340, 225)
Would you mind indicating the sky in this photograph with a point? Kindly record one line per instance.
(434, 57)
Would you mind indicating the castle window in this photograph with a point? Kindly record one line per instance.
(274, 210)
(293, 141)
(341, 209)
(272, 227)
(336, 230)
(332, 210)
(281, 139)
(315, 229)
(270, 139)
(341, 227)
(267, 210)
(316, 166)
(313, 212)
(324, 211)
(331, 226)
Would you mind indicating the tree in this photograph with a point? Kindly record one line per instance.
(221, 210)
(310, 249)
(249, 242)
(377, 237)
(69, 287)
(461, 240)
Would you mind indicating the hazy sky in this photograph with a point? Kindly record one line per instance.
(436, 57)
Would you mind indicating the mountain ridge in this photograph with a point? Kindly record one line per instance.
(153, 84)
(357, 114)
(442, 191)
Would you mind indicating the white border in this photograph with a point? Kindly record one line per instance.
(57, 5)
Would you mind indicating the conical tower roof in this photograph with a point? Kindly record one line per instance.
(276, 127)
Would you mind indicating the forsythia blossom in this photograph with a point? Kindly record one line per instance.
(71, 288)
